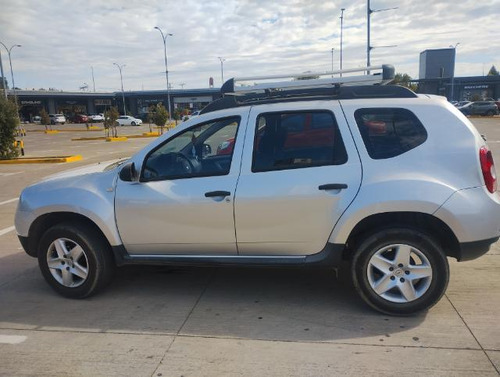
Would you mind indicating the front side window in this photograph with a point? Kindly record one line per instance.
(196, 152)
(389, 132)
(290, 140)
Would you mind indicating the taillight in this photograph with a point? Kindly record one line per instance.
(488, 169)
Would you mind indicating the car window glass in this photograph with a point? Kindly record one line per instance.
(389, 132)
(290, 140)
(200, 151)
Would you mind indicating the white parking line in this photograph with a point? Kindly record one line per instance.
(9, 201)
(7, 230)
(12, 339)
(9, 174)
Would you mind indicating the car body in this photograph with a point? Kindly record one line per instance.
(389, 182)
(80, 118)
(96, 117)
(37, 119)
(462, 103)
(57, 118)
(126, 120)
(488, 108)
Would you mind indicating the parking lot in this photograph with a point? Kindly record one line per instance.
(160, 321)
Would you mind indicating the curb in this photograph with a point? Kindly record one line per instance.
(74, 130)
(120, 138)
(51, 131)
(89, 138)
(42, 160)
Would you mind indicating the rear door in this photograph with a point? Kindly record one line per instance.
(300, 171)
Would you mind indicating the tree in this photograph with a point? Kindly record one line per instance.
(160, 116)
(110, 117)
(9, 121)
(404, 79)
(493, 71)
(45, 119)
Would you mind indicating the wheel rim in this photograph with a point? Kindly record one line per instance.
(67, 262)
(399, 273)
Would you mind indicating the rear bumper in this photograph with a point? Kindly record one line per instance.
(473, 250)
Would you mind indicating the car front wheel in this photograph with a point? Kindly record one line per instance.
(75, 261)
(400, 271)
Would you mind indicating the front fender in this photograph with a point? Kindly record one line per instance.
(90, 195)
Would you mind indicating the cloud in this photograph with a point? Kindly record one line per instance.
(63, 39)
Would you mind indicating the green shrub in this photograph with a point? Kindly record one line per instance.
(160, 116)
(9, 121)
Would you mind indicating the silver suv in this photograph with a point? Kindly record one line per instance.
(301, 173)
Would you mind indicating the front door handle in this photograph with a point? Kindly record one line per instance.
(212, 194)
(333, 186)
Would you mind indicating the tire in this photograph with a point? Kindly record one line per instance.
(133, 124)
(415, 284)
(82, 253)
(490, 113)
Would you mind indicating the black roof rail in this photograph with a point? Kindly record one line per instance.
(336, 92)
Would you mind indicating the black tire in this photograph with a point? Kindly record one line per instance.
(490, 113)
(133, 124)
(432, 288)
(96, 257)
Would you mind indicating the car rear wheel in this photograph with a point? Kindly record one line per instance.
(400, 271)
(75, 261)
(490, 113)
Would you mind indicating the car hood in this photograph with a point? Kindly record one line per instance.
(85, 170)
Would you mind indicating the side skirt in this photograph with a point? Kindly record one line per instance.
(330, 256)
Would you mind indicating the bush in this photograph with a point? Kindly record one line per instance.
(160, 116)
(45, 119)
(110, 117)
(9, 121)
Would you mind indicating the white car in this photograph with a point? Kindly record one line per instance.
(57, 118)
(377, 178)
(126, 120)
(96, 117)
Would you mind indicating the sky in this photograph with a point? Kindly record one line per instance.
(62, 40)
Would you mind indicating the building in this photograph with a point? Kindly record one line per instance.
(437, 76)
(31, 102)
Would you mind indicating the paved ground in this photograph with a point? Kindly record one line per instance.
(225, 322)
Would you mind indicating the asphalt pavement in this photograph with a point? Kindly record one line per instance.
(161, 321)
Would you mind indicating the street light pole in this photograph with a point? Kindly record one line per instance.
(11, 71)
(222, 60)
(453, 76)
(164, 38)
(4, 82)
(93, 81)
(121, 80)
(369, 47)
(341, 35)
(332, 60)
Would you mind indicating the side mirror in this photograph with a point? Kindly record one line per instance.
(128, 172)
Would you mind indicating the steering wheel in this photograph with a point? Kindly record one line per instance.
(168, 165)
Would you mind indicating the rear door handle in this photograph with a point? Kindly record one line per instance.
(212, 194)
(333, 186)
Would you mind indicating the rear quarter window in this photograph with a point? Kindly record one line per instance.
(389, 132)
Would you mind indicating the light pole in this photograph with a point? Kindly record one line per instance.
(341, 35)
(332, 60)
(11, 71)
(164, 37)
(453, 76)
(93, 81)
(369, 12)
(222, 60)
(120, 67)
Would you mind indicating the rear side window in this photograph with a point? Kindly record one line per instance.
(291, 140)
(389, 132)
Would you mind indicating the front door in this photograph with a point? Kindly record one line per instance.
(300, 172)
(183, 203)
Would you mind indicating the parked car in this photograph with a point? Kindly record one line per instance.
(462, 103)
(96, 117)
(126, 120)
(80, 118)
(37, 119)
(379, 178)
(488, 108)
(57, 118)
